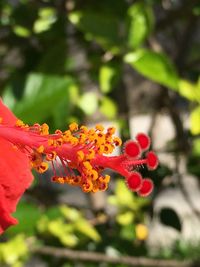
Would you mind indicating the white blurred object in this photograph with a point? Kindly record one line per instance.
(185, 212)
(139, 124)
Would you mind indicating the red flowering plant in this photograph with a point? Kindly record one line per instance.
(79, 150)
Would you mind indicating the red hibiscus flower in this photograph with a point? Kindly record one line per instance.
(80, 154)
(15, 173)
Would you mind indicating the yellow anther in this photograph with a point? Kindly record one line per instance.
(1, 119)
(91, 132)
(61, 180)
(76, 180)
(90, 155)
(103, 186)
(117, 141)
(99, 127)
(73, 126)
(100, 149)
(108, 148)
(19, 123)
(58, 142)
(67, 133)
(95, 188)
(80, 155)
(84, 129)
(111, 130)
(108, 138)
(82, 138)
(42, 167)
(100, 139)
(58, 132)
(36, 159)
(74, 140)
(50, 142)
(40, 149)
(92, 136)
(44, 129)
(87, 165)
(51, 156)
(87, 186)
(93, 175)
(58, 179)
(104, 179)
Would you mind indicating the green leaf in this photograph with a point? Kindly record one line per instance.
(108, 107)
(123, 194)
(63, 231)
(79, 223)
(47, 17)
(21, 31)
(141, 23)
(196, 147)
(189, 90)
(59, 229)
(125, 218)
(128, 232)
(42, 94)
(108, 77)
(155, 66)
(70, 213)
(102, 28)
(195, 121)
(28, 214)
(8, 97)
(54, 59)
(88, 102)
(14, 251)
(84, 227)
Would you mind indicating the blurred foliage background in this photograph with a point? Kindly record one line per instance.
(93, 61)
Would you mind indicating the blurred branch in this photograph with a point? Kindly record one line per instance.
(100, 257)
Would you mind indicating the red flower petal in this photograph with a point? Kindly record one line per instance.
(7, 116)
(146, 188)
(152, 160)
(132, 149)
(143, 140)
(15, 177)
(134, 181)
(15, 174)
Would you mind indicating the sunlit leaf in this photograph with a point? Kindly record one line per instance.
(141, 22)
(79, 223)
(108, 107)
(123, 196)
(84, 227)
(46, 18)
(14, 251)
(125, 218)
(63, 231)
(88, 102)
(189, 90)
(108, 77)
(196, 147)
(195, 121)
(21, 31)
(59, 229)
(70, 213)
(155, 66)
